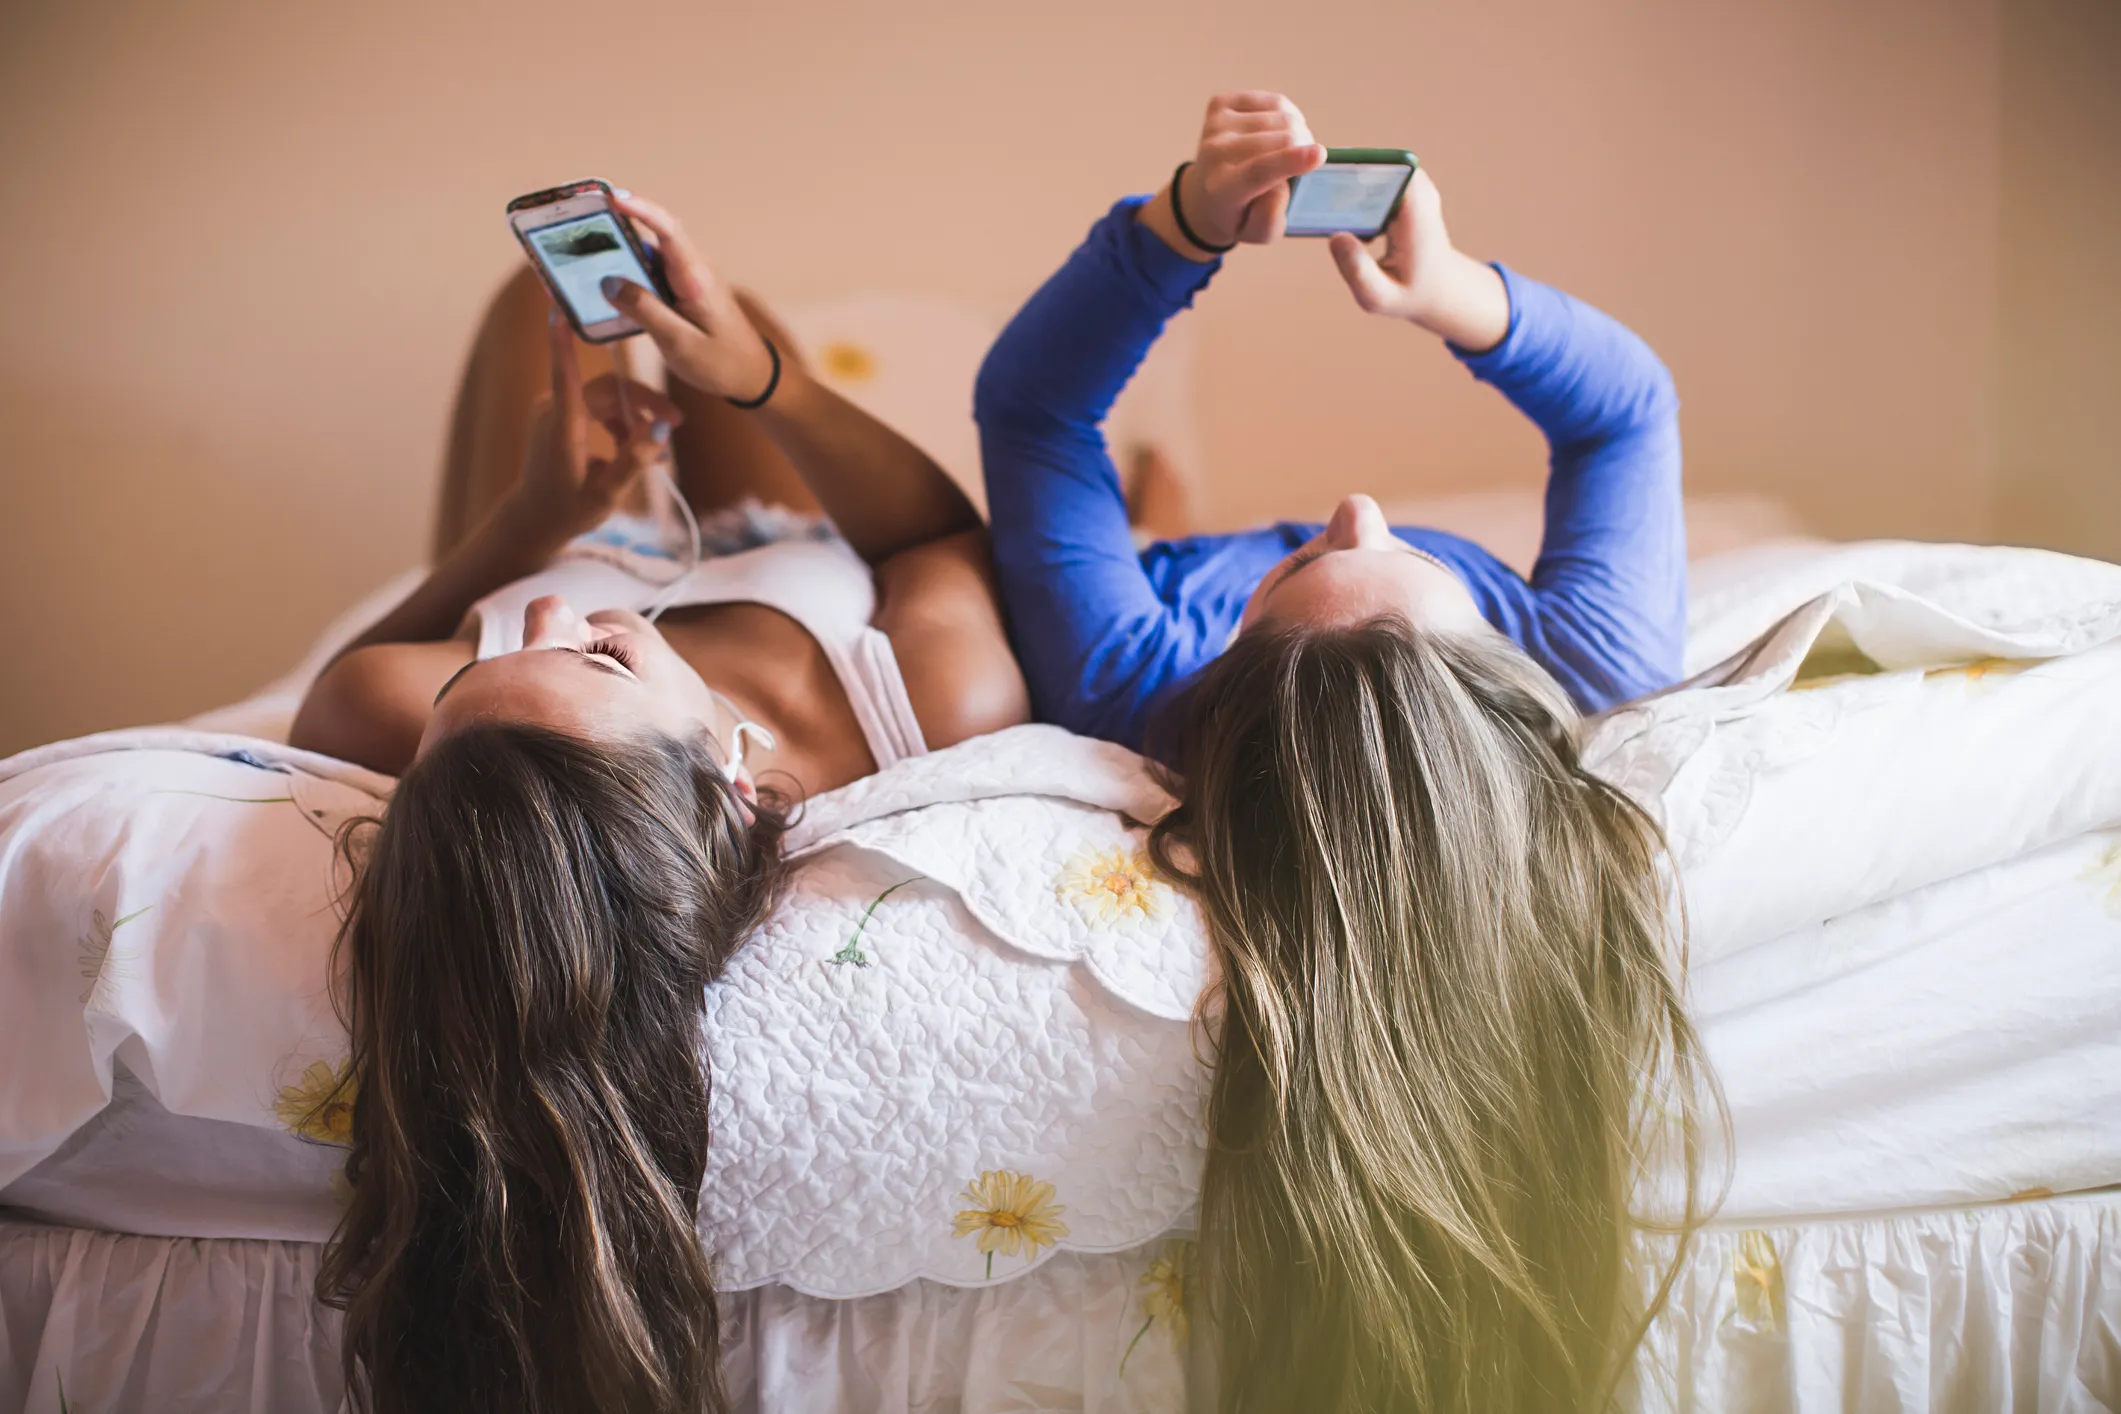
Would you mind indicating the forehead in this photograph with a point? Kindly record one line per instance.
(537, 685)
(1349, 586)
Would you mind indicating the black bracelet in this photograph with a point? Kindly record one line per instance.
(771, 383)
(1178, 214)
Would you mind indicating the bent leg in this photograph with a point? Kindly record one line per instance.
(721, 456)
(489, 432)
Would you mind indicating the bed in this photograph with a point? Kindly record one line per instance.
(1894, 792)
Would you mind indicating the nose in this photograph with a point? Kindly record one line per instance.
(1357, 524)
(551, 622)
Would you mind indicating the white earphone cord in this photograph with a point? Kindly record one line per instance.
(670, 591)
(744, 727)
(662, 465)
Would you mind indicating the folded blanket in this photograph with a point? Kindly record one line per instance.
(1953, 712)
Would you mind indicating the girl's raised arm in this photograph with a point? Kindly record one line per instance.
(1610, 585)
(1097, 644)
(883, 493)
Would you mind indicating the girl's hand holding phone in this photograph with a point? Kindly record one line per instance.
(565, 491)
(1236, 189)
(1423, 278)
(1417, 247)
(706, 339)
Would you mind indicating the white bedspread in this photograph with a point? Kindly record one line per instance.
(1902, 929)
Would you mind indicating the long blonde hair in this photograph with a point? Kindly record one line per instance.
(1451, 1036)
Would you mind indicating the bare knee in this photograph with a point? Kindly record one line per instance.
(941, 610)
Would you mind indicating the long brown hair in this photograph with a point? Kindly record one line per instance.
(522, 970)
(1451, 1040)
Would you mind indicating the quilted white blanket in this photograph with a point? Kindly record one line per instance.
(978, 998)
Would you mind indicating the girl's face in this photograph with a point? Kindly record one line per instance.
(1356, 570)
(605, 677)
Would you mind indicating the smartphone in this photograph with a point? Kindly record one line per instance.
(576, 237)
(1358, 190)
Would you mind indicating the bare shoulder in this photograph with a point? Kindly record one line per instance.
(371, 705)
(940, 607)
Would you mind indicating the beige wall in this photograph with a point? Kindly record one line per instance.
(2058, 466)
(250, 242)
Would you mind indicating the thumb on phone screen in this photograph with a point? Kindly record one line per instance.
(709, 343)
(1374, 290)
(646, 308)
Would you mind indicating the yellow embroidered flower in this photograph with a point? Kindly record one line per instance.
(319, 1105)
(1011, 1212)
(1982, 675)
(1112, 885)
(845, 362)
(1756, 1280)
(2106, 870)
(1164, 1300)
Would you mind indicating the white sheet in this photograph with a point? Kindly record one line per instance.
(1003, 1022)
(1963, 1039)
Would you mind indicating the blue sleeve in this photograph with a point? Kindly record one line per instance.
(1609, 588)
(1096, 643)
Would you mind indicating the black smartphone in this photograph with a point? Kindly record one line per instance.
(576, 237)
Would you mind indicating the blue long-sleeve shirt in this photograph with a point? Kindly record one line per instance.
(1106, 635)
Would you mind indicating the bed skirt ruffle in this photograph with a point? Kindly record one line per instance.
(119, 1324)
(2009, 1306)
(2006, 1307)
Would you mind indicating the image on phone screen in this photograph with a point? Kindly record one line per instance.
(1344, 197)
(578, 254)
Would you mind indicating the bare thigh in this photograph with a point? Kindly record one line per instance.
(720, 455)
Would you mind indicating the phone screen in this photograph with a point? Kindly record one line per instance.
(578, 253)
(1345, 196)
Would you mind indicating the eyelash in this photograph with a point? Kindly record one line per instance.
(607, 648)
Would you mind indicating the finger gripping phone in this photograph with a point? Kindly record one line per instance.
(1358, 190)
(576, 237)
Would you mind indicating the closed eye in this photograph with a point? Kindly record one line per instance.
(603, 655)
(1311, 557)
(605, 658)
(1298, 561)
(611, 648)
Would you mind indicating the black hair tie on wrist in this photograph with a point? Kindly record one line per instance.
(771, 383)
(1178, 214)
